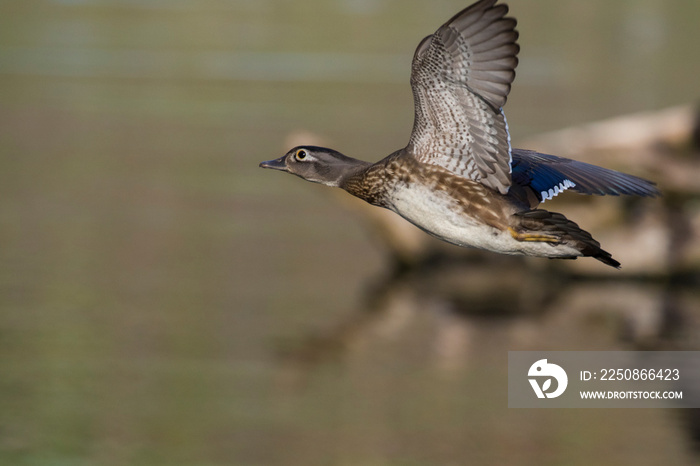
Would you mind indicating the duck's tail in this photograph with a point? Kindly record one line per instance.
(551, 227)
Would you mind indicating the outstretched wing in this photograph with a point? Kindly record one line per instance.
(461, 76)
(548, 175)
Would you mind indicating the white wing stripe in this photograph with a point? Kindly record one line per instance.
(563, 186)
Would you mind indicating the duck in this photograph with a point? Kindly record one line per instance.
(458, 178)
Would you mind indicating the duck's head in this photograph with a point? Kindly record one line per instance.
(316, 164)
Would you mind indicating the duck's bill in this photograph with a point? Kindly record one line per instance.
(277, 164)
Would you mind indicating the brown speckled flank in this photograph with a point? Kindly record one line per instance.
(458, 178)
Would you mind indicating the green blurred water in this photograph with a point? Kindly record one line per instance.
(152, 275)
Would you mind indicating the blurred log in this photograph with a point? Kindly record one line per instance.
(671, 127)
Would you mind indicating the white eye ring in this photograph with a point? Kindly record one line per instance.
(301, 154)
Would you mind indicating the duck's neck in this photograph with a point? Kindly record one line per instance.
(345, 169)
(369, 181)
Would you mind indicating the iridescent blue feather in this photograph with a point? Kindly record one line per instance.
(549, 175)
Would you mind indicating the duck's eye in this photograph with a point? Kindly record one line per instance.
(301, 154)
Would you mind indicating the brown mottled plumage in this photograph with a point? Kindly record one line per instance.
(458, 178)
(378, 182)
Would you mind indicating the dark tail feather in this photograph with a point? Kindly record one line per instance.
(555, 224)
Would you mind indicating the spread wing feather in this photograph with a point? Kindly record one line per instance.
(549, 175)
(461, 77)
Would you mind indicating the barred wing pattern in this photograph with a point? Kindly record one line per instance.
(461, 77)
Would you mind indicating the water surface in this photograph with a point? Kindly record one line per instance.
(164, 301)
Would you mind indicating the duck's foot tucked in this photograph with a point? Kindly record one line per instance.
(540, 237)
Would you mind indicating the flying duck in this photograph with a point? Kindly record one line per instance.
(458, 178)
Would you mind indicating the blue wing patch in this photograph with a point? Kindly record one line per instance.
(549, 175)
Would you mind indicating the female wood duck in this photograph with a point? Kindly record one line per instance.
(458, 178)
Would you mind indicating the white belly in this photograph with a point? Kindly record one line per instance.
(440, 215)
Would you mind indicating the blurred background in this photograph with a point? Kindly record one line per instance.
(163, 301)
